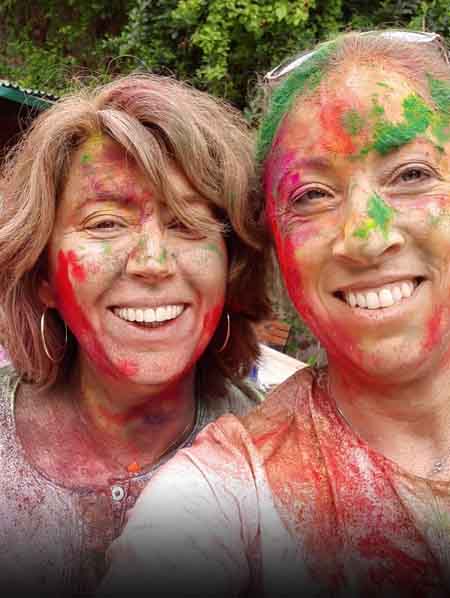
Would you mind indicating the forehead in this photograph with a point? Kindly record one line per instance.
(345, 100)
(101, 162)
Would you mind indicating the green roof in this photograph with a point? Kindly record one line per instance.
(40, 100)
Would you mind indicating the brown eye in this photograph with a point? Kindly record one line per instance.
(310, 195)
(413, 175)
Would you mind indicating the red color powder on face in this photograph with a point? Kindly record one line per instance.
(433, 336)
(128, 368)
(211, 320)
(77, 269)
(335, 138)
(76, 319)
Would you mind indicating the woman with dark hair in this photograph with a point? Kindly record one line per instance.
(126, 254)
(338, 485)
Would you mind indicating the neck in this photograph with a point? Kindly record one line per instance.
(136, 424)
(408, 422)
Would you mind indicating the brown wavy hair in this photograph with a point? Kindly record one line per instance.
(159, 122)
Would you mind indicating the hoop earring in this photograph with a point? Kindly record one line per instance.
(227, 336)
(44, 343)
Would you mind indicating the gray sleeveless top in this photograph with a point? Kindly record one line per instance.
(52, 538)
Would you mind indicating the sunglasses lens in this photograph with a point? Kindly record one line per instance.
(289, 65)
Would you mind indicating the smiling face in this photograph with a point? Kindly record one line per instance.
(141, 292)
(358, 199)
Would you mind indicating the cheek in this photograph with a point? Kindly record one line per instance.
(68, 269)
(105, 258)
(293, 252)
(205, 266)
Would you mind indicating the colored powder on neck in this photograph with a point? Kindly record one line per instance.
(305, 78)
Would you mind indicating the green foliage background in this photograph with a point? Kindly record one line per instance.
(219, 45)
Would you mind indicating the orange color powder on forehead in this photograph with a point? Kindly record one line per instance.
(336, 138)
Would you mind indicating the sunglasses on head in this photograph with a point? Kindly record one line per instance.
(409, 37)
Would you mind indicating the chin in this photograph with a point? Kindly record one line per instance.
(393, 361)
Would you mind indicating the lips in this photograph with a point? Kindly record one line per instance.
(381, 296)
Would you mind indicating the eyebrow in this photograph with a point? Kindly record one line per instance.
(107, 196)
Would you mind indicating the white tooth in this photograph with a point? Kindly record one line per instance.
(149, 315)
(361, 300)
(178, 310)
(131, 314)
(406, 289)
(372, 300)
(396, 293)
(171, 311)
(351, 299)
(160, 314)
(386, 298)
(139, 315)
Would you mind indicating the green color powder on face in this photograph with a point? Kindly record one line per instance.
(86, 158)
(352, 122)
(107, 249)
(162, 258)
(363, 231)
(385, 85)
(380, 217)
(440, 94)
(303, 79)
(417, 118)
(213, 248)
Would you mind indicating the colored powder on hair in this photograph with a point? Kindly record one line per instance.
(305, 78)
(352, 122)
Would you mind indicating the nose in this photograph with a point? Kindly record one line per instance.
(369, 233)
(150, 257)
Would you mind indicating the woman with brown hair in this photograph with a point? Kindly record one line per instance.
(126, 249)
(339, 484)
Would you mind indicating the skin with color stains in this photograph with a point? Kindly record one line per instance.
(345, 216)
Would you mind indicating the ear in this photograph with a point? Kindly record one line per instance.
(46, 294)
